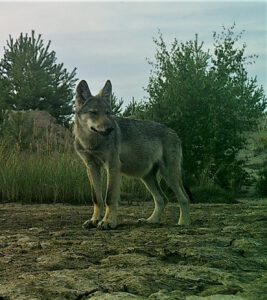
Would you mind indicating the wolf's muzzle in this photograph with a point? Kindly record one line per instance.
(103, 132)
(107, 131)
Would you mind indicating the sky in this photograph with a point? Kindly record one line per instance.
(113, 40)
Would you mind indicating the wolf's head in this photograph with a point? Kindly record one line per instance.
(94, 112)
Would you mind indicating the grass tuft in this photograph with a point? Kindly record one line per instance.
(211, 193)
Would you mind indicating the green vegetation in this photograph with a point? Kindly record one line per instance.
(38, 163)
(58, 177)
(30, 78)
(52, 178)
(206, 97)
(212, 194)
(261, 185)
(211, 103)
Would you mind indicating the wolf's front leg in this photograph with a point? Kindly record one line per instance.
(112, 199)
(94, 176)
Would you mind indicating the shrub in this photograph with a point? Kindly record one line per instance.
(211, 193)
(261, 185)
(208, 98)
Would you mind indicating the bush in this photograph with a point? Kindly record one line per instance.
(211, 193)
(261, 185)
(208, 98)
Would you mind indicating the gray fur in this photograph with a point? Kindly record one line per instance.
(137, 148)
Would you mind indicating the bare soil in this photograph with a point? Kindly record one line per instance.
(46, 254)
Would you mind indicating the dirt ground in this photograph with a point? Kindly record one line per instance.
(46, 254)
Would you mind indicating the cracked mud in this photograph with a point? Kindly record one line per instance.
(46, 254)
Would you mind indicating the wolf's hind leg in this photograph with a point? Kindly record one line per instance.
(180, 193)
(172, 174)
(152, 184)
(175, 182)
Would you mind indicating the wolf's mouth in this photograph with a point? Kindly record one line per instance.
(104, 133)
(93, 129)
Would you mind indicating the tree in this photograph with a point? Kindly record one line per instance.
(135, 109)
(33, 79)
(116, 105)
(209, 100)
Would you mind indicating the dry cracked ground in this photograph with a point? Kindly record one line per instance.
(46, 254)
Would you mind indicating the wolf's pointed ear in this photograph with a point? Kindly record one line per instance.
(82, 93)
(106, 91)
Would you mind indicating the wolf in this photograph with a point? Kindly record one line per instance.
(124, 146)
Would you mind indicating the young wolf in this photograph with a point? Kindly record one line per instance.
(141, 149)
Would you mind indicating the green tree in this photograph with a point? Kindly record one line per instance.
(135, 109)
(209, 100)
(32, 78)
(116, 105)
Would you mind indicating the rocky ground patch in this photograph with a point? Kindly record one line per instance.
(46, 254)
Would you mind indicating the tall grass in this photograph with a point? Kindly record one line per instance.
(37, 161)
(33, 177)
(52, 178)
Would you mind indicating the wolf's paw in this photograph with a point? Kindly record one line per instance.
(148, 221)
(106, 225)
(142, 221)
(90, 224)
(184, 222)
